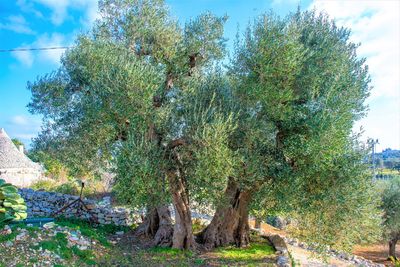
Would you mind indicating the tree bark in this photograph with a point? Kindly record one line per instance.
(183, 233)
(392, 247)
(230, 224)
(158, 225)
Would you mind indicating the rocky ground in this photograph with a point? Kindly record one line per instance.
(61, 244)
(77, 243)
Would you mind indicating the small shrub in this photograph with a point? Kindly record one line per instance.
(47, 185)
(69, 187)
(396, 262)
(12, 205)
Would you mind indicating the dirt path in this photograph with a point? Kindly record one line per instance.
(377, 253)
(304, 258)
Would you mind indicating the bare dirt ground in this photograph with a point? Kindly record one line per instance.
(377, 253)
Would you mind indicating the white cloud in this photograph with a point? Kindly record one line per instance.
(23, 126)
(53, 40)
(28, 58)
(25, 57)
(376, 25)
(19, 120)
(28, 7)
(17, 24)
(60, 8)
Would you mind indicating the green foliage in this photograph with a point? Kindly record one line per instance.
(391, 207)
(140, 178)
(92, 188)
(12, 205)
(17, 142)
(54, 168)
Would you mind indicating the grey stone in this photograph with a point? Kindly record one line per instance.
(278, 242)
(283, 261)
(9, 244)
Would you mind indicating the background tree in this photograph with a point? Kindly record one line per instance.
(391, 206)
(17, 142)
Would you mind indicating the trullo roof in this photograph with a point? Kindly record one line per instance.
(10, 156)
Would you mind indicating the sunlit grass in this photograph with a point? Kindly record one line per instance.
(254, 252)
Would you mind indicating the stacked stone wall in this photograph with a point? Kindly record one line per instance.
(45, 204)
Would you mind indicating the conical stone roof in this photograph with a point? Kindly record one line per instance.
(10, 156)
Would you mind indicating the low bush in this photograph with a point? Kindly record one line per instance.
(92, 188)
(12, 205)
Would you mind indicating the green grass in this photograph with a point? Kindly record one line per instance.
(170, 252)
(5, 238)
(58, 245)
(254, 252)
(87, 256)
(98, 233)
(259, 252)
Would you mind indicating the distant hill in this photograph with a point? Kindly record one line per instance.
(388, 158)
(389, 153)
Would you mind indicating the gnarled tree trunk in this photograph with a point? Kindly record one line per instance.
(158, 225)
(183, 233)
(230, 224)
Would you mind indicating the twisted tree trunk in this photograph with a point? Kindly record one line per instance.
(230, 224)
(158, 225)
(183, 234)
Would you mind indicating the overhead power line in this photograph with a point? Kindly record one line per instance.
(35, 49)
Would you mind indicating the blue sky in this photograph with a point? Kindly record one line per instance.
(47, 23)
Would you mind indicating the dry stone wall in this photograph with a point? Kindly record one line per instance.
(45, 204)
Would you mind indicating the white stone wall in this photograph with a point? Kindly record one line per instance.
(21, 177)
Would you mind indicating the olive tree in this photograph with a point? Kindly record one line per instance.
(300, 87)
(113, 93)
(391, 207)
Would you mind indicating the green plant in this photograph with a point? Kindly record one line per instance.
(12, 205)
(395, 261)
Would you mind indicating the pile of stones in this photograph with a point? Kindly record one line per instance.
(23, 245)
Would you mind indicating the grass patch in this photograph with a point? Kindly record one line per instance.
(171, 252)
(58, 245)
(255, 252)
(9, 237)
(86, 256)
(98, 233)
